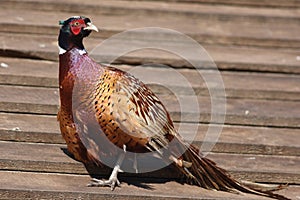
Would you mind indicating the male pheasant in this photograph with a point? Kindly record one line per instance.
(105, 112)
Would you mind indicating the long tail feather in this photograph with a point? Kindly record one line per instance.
(207, 174)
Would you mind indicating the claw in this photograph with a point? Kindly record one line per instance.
(112, 182)
(113, 179)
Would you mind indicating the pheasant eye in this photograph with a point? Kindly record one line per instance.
(76, 24)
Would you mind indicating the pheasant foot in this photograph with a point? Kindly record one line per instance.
(113, 179)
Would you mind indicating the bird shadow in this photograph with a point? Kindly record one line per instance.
(140, 180)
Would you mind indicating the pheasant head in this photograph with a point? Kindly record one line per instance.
(73, 31)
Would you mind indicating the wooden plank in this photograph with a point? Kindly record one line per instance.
(29, 72)
(246, 140)
(50, 158)
(219, 32)
(256, 3)
(233, 139)
(30, 128)
(45, 47)
(239, 111)
(220, 12)
(63, 186)
(21, 99)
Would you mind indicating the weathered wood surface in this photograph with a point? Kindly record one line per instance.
(255, 44)
(157, 7)
(250, 140)
(215, 31)
(258, 3)
(241, 112)
(50, 158)
(45, 47)
(237, 84)
(63, 186)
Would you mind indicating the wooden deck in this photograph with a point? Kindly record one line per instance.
(255, 44)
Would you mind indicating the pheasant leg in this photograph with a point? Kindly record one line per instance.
(113, 179)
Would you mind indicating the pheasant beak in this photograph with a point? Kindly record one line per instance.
(91, 27)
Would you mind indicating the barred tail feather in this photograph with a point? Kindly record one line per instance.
(205, 173)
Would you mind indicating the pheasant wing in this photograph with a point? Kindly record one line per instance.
(135, 113)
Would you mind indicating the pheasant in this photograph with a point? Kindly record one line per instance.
(106, 113)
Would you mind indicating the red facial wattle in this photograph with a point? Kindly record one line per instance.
(77, 25)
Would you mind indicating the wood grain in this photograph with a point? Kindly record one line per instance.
(254, 112)
(226, 58)
(216, 31)
(254, 43)
(22, 185)
(161, 8)
(233, 139)
(258, 3)
(51, 158)
(37, 73)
